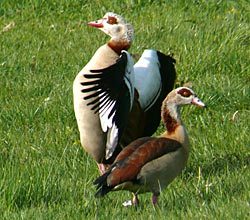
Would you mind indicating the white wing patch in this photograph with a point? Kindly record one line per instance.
(148, 78)
(106, 121)
(112, 141)
(108, 126)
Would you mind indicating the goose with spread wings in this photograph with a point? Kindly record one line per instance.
(115, 100)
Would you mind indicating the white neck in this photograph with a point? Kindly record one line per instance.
(174, 112)
(172, 121)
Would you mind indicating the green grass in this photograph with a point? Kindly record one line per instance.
(44, 172)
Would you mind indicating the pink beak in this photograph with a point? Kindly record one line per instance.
(196, 101)
(97, 24)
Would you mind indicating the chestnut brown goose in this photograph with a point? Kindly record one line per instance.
(149, 164)
(114, 100)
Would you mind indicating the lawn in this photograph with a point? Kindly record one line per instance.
(45, 173)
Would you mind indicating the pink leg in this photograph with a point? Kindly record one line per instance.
(135, 200)
(155, 199)
(101, 168)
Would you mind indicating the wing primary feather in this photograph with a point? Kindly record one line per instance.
(113, 110)
(93, 102)
(99, 109)
(94, 76)
(97, 98)
(91, 89)
(96, 105)
(105, 100)
(103, 109)
(90, 83)
(93, 95)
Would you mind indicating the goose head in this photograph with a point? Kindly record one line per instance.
(183, 96)
(170, 107)
(116, 27)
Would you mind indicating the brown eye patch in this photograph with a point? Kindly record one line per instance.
(185, 92)
(112, 20)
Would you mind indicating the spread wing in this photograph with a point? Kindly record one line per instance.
(111, 94)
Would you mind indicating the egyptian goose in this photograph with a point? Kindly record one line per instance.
(115, 101)
(149, 164)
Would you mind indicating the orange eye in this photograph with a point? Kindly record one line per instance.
(112, 20)
(185, 94)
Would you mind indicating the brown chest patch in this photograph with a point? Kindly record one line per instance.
(170, 123)
(119, 46)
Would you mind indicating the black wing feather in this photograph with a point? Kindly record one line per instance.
(108, 86)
